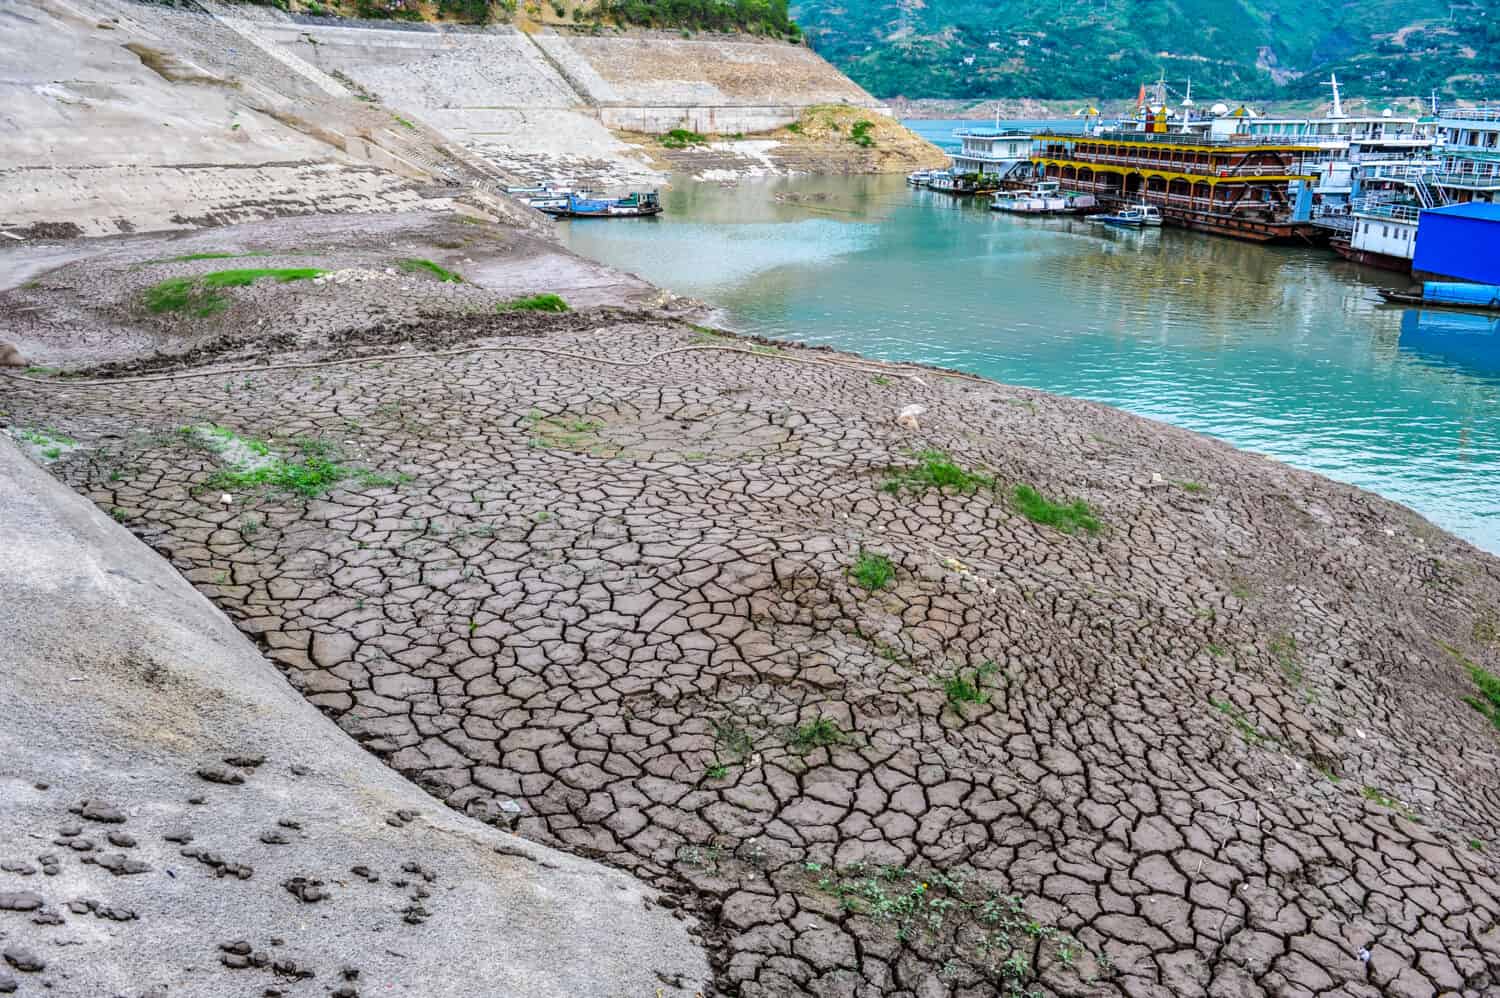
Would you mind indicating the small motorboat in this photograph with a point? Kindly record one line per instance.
(945, 181)
(1137, 216)
(635, 206)
(1043, 198)
(920, 178)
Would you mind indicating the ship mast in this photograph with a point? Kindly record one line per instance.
(1338, 103)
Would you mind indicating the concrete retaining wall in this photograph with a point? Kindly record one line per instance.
(717, 120)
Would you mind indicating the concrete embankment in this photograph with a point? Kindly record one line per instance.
(178, 821)
(123, 117)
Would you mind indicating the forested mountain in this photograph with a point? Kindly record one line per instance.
(1106, 48)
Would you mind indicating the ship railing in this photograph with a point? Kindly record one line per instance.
(1333, 216)
(1385, 209)
(1161, 198)
(1178, 138)
(1468, 181)
(991, 133)
(1471, 113)
(1167, 166)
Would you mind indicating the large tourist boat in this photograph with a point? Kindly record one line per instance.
(1235, 185)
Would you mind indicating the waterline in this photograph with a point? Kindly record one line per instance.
(1284, 351)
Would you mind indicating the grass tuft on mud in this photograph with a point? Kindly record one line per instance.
(681, 138)
(936, 470)
(1067, 517)
(1488, 701)
(198, 296)
(535, 303)
(872, 571)
(311, 473)
(417, 265)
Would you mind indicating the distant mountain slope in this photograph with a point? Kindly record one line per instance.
(1105, 48)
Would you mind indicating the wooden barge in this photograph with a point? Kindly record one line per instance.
(1240, 186)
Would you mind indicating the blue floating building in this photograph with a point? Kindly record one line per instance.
(1459, 242)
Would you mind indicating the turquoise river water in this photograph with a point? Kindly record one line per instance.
(1285, 351)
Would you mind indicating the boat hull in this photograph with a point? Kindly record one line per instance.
(608, 213)
(1406, 298)
(1368, 258)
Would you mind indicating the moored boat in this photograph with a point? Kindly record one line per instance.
(1044, 198)
(1447, 294)
(635, 206)
(1134, 217)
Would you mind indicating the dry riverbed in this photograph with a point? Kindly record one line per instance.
(1033, 697)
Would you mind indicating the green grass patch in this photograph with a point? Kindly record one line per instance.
(209, 255)
(1192, 488)
(182, 294)
(681, 138)
(198, 296)
(1385, 800)
(872, 571)
(936, 470)
(416, 265)
(403, 122)
(308, 476)
(1067, 517)
(535, 303)
(860, 134)
(247, 276)
(1488, 700)
(963, 689)
(820, 732)
(311, 473)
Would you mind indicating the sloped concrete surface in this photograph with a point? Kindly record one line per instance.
(176, 821)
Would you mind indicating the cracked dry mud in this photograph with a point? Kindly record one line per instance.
(1218, 748)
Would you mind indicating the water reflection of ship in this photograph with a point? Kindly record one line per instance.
(1460, 340)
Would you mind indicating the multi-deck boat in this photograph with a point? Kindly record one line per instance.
(1001, 156)
(1379, 225)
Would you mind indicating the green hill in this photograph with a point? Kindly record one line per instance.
(1105, 48)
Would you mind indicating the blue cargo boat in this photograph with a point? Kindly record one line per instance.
(634, 206)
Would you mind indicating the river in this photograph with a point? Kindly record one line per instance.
(1281, 350)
